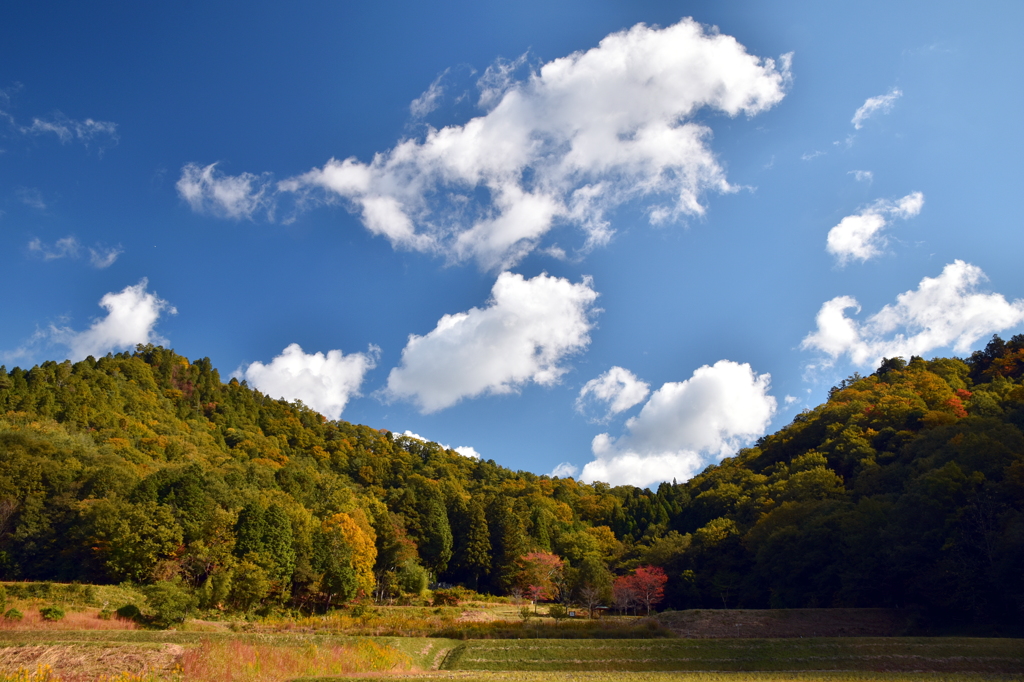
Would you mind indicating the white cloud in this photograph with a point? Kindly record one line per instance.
(62, 248)
(429, 100)
(103, 257)
(565, 470)
(565, 145)
(132, 315)
(226, 196)
(618, 388)
(522, 335)
(69, 247)
(863, 176)
(31, 197)
(464, 450)
(323, 382)
(881, 104)
(860, 236)
(70, 130)
(942, 311)
(790, 399)
(685, 426)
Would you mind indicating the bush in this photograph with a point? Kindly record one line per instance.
(52, 613)
(105, 614)
(3, 598)
(14, 614)
(169, 602)
(445, 598)
(129, 612)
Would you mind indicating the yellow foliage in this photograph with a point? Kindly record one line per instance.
(355, 531)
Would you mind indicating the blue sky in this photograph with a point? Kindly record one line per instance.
(613, 240)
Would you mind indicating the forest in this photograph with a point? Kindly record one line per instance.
(904, 490)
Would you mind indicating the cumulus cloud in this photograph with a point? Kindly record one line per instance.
(207, 190)
(323, 382)
(618, 389)
(859, 237)
(528, 327)
(685, 426)
(132, 314)
(565, 470)
(100, 257)
(882, 104)
(863, 176)
(948, 310)
(571, 141)
(464, 450)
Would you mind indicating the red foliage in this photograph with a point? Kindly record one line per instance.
(644, 587)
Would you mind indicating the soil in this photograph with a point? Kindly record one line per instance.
(751, 623)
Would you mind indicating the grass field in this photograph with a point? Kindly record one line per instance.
(262, 657)
(783, 655)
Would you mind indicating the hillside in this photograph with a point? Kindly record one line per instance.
(904, 490)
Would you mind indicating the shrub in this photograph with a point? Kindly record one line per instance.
(91, 595)
(105, 614)
(558, 612)
(129, 612)
(3, 598)
(445, 598)
(169, 602)
(52, 613)
(14, 614)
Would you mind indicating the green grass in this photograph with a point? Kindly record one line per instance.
(1004, 656)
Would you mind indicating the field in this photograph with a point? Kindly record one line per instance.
(484, 642)
(766, 655)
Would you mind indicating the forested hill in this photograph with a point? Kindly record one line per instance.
(905, 489)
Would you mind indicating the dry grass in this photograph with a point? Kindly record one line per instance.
(224, 660)
(86, 619)
(234, 661)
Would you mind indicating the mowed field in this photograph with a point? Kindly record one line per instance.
(900, 654)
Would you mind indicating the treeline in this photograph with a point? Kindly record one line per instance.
(905, 489)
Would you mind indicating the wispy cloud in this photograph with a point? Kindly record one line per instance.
(31, 197)
(430, 99)
(100, 257)
(860, 237)
(874, 105)
(226, 196)
(564, 145)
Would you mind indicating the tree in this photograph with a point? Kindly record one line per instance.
(649, 585)
(624, 593)
(169, 602)
(593, 584)
(539, 574)
(473, 555)
(352, 543)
